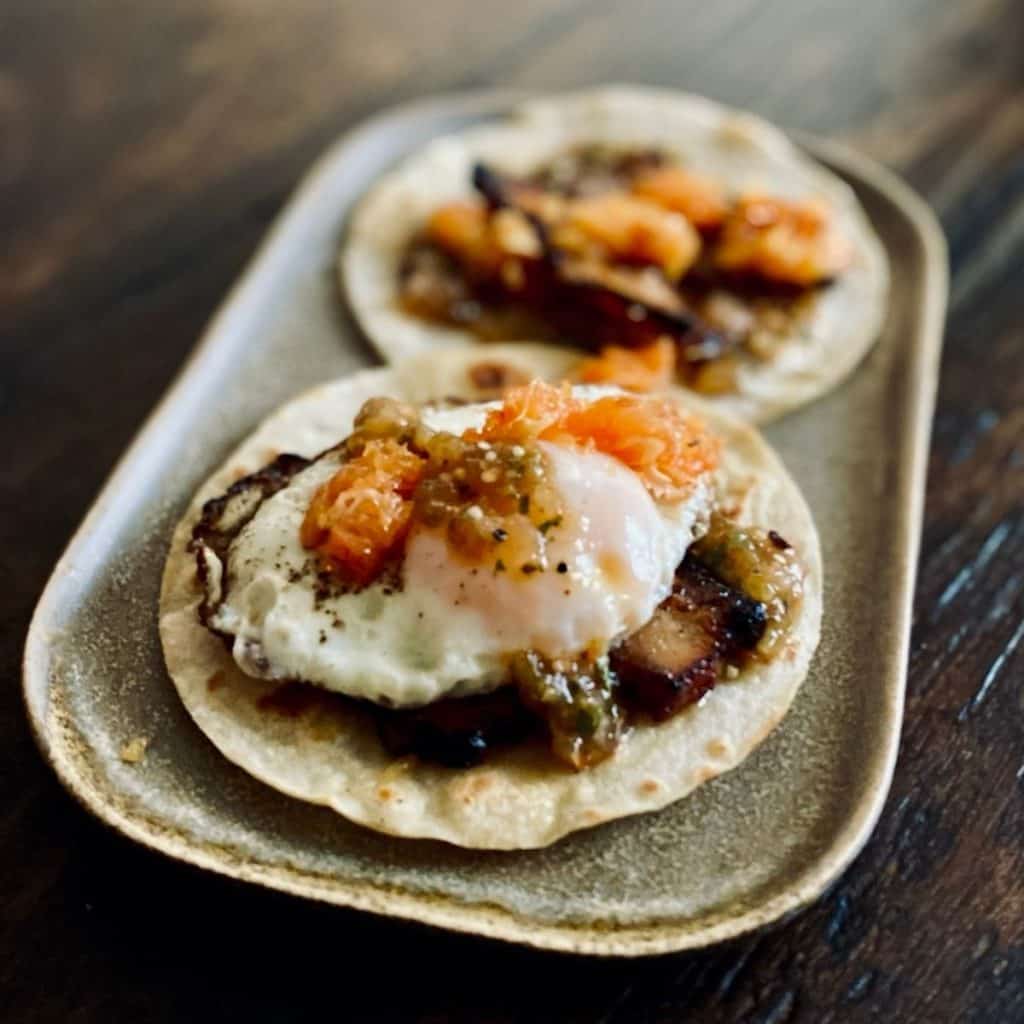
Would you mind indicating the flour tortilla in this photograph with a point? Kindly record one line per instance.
(329, 753)
(741, 150)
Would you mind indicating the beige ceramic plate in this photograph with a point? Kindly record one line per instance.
(742, 851)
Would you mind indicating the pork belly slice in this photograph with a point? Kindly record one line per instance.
(678, 656)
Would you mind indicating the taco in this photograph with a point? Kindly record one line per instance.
(449, 599)
(678, 240)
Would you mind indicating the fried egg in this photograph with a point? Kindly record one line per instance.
(447, 626)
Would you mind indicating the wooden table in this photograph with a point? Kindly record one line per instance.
(145, 148)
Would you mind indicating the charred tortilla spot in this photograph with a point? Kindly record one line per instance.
(474, 786)
(479, 783)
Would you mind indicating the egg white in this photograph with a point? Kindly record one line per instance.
(448, 628)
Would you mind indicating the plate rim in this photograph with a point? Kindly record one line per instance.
(491, 921)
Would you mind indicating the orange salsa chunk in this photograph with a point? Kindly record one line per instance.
(792, 242)
(624, 227)
(700, 199)
(360, 517)
(665, 446)
(649, 368)
(462, 228)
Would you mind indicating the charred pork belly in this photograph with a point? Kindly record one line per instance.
(676, 657)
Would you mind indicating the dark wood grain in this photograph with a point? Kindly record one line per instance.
(144, 149)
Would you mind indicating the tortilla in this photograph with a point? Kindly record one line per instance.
(743, 151)
(326, 750)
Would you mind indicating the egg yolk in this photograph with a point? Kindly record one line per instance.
(605, 566)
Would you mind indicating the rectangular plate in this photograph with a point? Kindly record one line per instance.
(742, 851)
